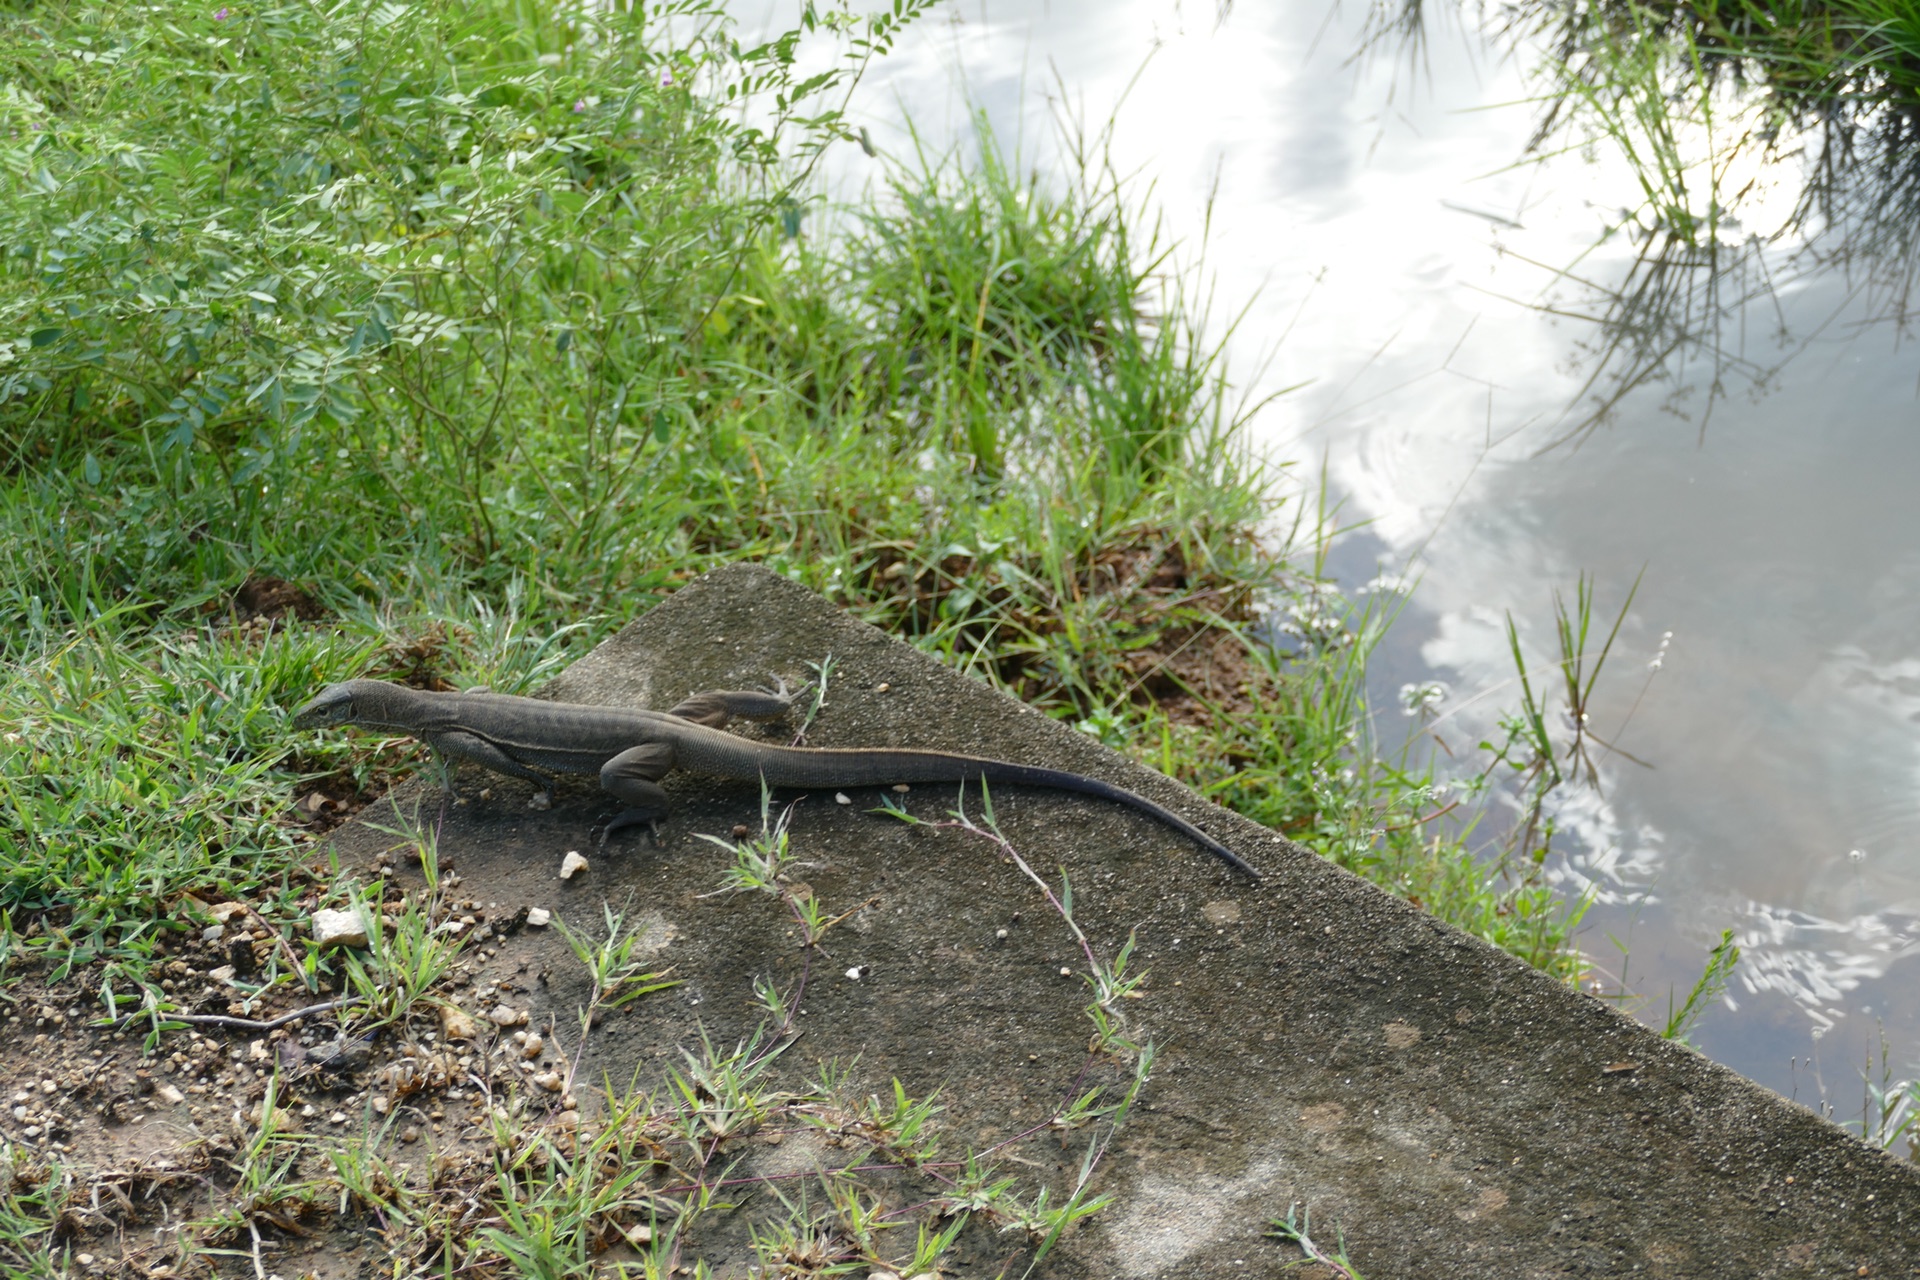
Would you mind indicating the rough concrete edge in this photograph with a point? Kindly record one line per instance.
(1731, 1102)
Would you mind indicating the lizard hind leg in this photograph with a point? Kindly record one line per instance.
(633, 777)
(717, 706)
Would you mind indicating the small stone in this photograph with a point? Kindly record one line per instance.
(456, 1023)
(550, 1081)
(538, 917)
(341, 1054)
(170, 1094)
(227, 911)
(533, 1048)
(339, 929)
(902, 788)
(84, 1259)
(841, 797)
(506, 1015)
(410, 1134)
(338, 1117)
(571, 864)
(222, 975)
(258, 1051)
(213, 933)
(540, 800)
(380, 1105)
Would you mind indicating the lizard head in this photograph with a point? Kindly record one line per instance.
(334, 705)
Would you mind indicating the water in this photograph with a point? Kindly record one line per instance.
(1373, 222)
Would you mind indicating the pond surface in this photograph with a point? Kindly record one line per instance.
(1371, 219)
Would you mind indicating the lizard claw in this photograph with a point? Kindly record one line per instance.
(781, 690)
(615, 823)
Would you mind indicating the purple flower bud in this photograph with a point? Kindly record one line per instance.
(580, 105)
(666, 77)
(222, 14)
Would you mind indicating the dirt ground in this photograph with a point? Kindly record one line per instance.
(1321, 1045)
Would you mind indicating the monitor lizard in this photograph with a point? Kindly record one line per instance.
(632, 749)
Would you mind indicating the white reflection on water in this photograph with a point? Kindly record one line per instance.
(1378, 227)
(1818, 963)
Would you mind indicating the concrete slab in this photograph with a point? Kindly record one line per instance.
(1323, 1044)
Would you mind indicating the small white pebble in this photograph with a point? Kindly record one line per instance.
(840, 797)
(572, 864)
(537, 917)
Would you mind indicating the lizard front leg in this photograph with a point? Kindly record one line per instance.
(471, 746)
(633, 777)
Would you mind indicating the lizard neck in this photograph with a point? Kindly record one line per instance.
(380, 705)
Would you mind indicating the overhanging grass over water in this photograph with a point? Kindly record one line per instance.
(1771, 145)
(487, 325)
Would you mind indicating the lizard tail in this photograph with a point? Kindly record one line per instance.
(842, 767)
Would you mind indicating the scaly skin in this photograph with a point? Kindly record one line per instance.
(632, 750)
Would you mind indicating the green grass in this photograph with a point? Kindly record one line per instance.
(1686, 90)
(488, 324)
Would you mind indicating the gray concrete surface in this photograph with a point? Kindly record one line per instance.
(1322, 1043)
